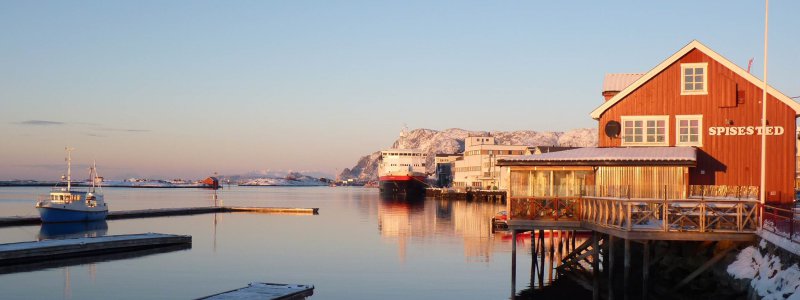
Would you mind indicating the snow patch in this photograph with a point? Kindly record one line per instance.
(768, 277)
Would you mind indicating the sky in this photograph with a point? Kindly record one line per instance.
(183, 89)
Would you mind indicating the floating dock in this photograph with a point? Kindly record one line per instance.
(163, 212)
(17, 253)
(273, 291)
(89, 259)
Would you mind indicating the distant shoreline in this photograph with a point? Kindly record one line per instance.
(133, 185)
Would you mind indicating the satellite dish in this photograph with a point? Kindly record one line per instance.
(612, 129)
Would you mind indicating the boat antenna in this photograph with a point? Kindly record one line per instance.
(69, 167)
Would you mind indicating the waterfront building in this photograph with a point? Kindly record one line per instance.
(690, 126)
(477, 169)
(444, 164)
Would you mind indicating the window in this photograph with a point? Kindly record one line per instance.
(694, 79)
(689, 130)
(644, 130)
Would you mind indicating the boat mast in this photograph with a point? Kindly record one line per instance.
(93, 174)
(69, 167)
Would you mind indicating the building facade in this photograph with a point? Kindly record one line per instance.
(696, 100)
(478, 167)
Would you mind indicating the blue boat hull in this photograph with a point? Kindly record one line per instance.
(56, 215)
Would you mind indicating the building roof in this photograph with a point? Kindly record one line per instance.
(594, 156)
(619, 81)
(675, 57)
(548, 149)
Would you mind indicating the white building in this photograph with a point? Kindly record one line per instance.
(477, 168)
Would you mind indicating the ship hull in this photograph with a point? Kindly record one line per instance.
(404, 186)
(58, 215)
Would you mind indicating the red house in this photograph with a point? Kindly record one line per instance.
(692, 121)
(698, 98)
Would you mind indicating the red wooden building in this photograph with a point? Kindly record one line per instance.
(698, 98)
(697, 106)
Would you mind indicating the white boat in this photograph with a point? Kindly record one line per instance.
(64, 204)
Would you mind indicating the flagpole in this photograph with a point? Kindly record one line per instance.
(764, 110)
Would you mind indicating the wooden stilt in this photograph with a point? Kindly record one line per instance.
(573, 240)
(627, 267)
(610, 259)
(595, 266)
(513, 264)
(645, 268)
(541, 259)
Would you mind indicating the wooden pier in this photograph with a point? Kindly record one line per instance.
(164, 212)
(24, 252)
(273, 291)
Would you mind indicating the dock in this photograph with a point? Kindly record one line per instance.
(89, 259)
(260, 290)
(38, 251)
(164, 212)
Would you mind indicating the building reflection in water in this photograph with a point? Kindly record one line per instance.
(420, 219)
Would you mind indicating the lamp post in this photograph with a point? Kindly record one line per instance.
(762, 190)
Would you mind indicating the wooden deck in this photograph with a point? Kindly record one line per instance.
(273, 291)
(694, 219)
(164, 212)
(38, 251)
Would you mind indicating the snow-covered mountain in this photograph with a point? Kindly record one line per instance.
(291, 179)
(452, 141)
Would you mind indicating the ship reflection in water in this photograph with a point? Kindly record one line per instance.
(70, 230)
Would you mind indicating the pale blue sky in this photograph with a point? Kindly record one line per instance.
(185, 88)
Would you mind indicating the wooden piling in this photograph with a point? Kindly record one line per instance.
(610, 269)
(627, 266)
(513, 264)
(645, 267)
(595, 266)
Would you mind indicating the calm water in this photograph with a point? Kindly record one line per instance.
(358, 247)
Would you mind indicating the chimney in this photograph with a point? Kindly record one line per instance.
(615, 83)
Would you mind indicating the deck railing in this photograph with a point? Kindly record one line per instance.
(707, 209)
(545, 208)
(679, 215)
(784, 222)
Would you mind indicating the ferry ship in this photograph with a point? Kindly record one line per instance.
(401, 172)
(67, 205)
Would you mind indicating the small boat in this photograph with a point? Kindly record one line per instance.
(64, 204)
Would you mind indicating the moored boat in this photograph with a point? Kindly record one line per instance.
(64, 204)
(401, 172)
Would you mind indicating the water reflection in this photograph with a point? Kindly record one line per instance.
(427, 218)
(72, 230)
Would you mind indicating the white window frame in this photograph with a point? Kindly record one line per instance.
(644, 119)
(678, 119)
(704, 91)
